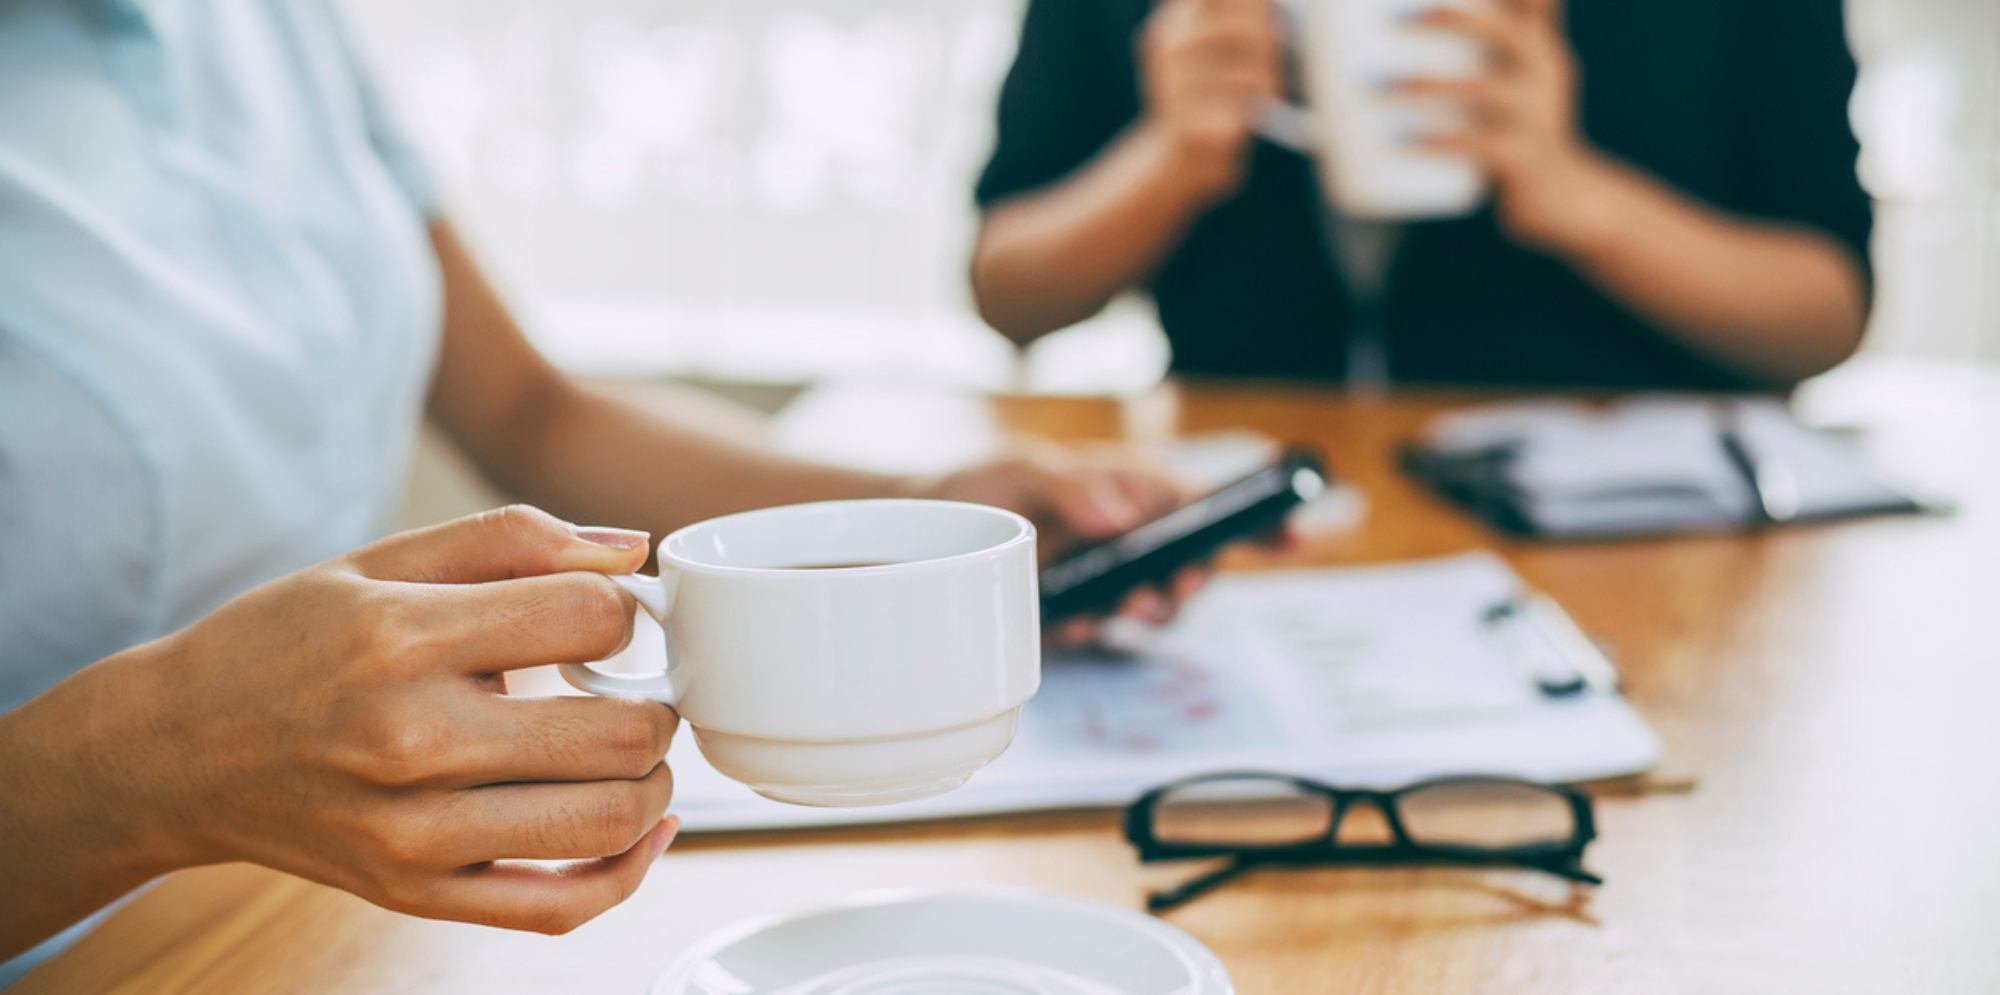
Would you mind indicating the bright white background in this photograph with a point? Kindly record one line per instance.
(778, 190)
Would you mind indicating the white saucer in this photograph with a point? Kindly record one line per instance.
(967, 942)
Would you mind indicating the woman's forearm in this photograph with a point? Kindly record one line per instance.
(601, 458)
(1053, 257)
(1776, 302)
(589, 456)
(75, 840)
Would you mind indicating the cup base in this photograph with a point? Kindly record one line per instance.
(854, 774)
(851, 797)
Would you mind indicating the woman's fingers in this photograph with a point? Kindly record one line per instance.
(570, 821)
(516, 541)
(1246, 85)
(1237, 36)
(1075, 632)
(1154, 491)
(1522, 40)
(1089, 502)
(465, 735)
(1493, 151)
(568, 739)
(1157, 606)
(1215, 51)
(490, 628)
(1148, 605)
(1506, 33)
(542, 899)
(1488, 102)
(1187, 584)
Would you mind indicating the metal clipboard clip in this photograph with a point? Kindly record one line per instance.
(1539, 636)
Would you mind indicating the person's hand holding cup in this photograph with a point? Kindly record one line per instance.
(1207, 70)
(1519, 120)
(348, 724)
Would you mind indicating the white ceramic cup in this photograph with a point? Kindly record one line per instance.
(1360, 135)
(844, 685)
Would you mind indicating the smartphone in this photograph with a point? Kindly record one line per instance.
(1097, 578)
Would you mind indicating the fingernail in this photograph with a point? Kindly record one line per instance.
(665, 836)
(614, 538)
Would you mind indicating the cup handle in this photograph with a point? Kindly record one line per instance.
(1286, 125)
(655, 595)
(1281, 122)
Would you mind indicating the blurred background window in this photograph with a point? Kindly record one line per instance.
(779, 191)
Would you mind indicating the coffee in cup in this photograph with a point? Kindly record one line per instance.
(847, 652)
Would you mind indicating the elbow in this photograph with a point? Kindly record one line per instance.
(1018, 328)
(1026, 286)
(1842, 331)
(1807, 356)
(1846, 340)
(1852, 329)
(1832, 346)
(1007, 305)
(1850, 306)
(1825, 333)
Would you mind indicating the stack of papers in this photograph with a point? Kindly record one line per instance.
(1649, 465)
(1370, 676)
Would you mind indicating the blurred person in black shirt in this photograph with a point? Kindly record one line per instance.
(1673, 196)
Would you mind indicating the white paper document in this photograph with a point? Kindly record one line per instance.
(1365, 676)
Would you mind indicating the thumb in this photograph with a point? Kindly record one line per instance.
(510, 542)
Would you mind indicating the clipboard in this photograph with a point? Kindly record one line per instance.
(1651, 465)
(1366, 676)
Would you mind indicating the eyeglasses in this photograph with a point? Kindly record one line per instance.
(1258, 820)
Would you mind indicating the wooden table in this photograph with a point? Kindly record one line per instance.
(1835, 691)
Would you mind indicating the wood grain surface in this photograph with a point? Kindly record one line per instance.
(1833, 691)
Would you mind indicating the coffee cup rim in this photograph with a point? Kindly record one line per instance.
(1024, 534)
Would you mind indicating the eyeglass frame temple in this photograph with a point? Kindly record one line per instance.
(1562, 865)
(1193, 888)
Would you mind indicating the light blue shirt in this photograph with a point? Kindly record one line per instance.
(218, 315)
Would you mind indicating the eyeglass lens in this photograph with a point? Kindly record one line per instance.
(1253, 812)
(1485, 815)
(1245, 813)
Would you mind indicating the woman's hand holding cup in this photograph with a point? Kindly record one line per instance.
(1520, 120)
(348, 723)
(1208, 69)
